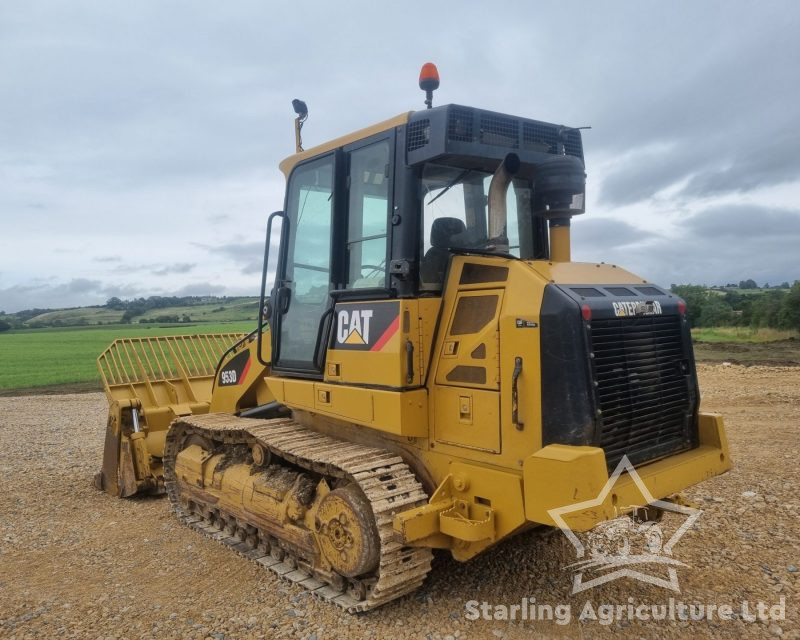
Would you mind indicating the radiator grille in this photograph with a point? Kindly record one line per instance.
(642, 388)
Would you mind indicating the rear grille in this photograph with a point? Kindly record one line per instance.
(642, 388)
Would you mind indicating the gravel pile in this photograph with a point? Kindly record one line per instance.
(77, 563)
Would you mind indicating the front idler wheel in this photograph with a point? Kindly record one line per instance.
(347, 533)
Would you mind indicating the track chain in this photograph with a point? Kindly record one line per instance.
(385, 479)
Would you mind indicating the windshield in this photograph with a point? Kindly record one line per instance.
(455, 216)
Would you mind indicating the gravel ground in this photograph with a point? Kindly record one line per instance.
(77, 563)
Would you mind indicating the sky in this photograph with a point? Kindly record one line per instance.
(140, 141)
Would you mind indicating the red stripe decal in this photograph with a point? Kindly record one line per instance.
(390, 331)
(244, 371)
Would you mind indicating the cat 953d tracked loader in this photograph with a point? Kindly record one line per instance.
(429, 369)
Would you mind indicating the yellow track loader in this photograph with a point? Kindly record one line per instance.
(429, 368)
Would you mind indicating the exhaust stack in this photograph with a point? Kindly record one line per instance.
(560, 250)
(498, 215)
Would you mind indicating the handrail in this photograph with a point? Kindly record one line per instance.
(262, 298)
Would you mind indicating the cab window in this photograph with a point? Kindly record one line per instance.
(455, 216)
(368, 213)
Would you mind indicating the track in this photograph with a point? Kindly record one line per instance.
(387, 482)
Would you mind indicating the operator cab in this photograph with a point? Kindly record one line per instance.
(377, 215)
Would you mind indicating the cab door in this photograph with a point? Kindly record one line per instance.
(335, 248)
(302, 289)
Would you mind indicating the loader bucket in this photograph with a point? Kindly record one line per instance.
(149, 382)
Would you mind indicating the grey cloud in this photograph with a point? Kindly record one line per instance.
(122, 291)
(82, 285)
(178, 267)
(107, 259)
(607, 233)
(142, 121)
(774, 161)
(156, 269)
(248, 255)
(200, 289)
(745, 221)
(714, 246)
(722, 163)
(75, 292)
(82, 292)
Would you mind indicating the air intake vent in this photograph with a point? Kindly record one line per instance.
(499, 130)
(419, 134)
(459, 125)
(539, 137)
(476, 138)
(573, 146)
(643, 388)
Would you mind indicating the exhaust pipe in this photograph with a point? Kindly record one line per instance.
(560, 240)
(498, 215)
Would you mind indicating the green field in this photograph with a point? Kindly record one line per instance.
(218, 310)
(85, 315)
(51, 357)
(741, 334)
(232, 311)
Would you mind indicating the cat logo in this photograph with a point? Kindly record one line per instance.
(365, 326)
(627, 309)
(352, 327)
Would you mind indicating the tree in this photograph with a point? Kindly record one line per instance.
(695, 297)
(715, 312)
(765, 309)
(4, 326)
(790, 308)
(748, 284)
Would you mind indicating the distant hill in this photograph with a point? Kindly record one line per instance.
(155, 309)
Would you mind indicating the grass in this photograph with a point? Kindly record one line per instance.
(741, 335)
(60, 356)
(228, 310)
(89, 315)
(232, 310)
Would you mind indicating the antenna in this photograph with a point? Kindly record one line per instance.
(301, 110)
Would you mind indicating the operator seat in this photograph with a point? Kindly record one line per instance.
(434, 264)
